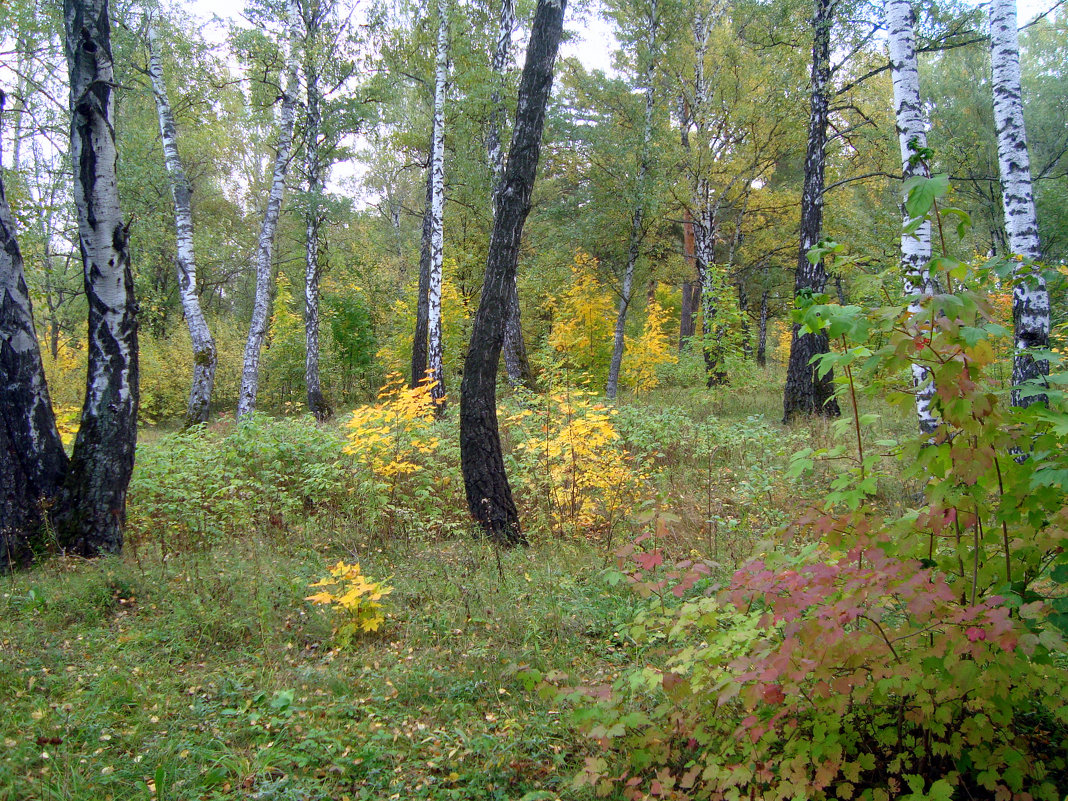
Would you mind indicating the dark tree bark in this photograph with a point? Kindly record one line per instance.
(762, 331)
(489, 496)
(32, 461)
(807, 393)
(420, 352)
(103, 457)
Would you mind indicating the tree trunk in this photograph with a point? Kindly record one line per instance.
(204, 354)
(32, 460)
(762, 331)
(422, 302)
(313, 168)
(516, 364)
(489, 497)
(691, 290)
(250, 374)
(437, 210)
(103, 456)
(806, 392)
(911, 132)
(1030, 298)
(637, 232)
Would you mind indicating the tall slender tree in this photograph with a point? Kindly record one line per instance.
(651, 24)
(435, 364)
(489, 496)
(912, 137)
(264, 260)
(103, 456)
(204, 354)
(1030, 297)
(806, 391)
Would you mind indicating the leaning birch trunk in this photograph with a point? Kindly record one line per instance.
(1030, 298)
(806, 392)
(204, 354)
(250, 373)
(911, 133)
(103, 458)
(313, 167)
(516, 364)
(489, 496)
(762, 331)
(31, 452)
(435, 367)
(638, 217)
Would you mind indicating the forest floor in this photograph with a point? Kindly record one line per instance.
(203, 673)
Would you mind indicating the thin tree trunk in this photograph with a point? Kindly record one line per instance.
(806, 392)
(437, 210)
(422, 302)
(489, 496)
(691, 290)
(313, 168)
(516, 364)
(911, 131)
(637, 218)
(1030, 298)
(762, 331)
(103, 458)
(250, 374)
(32, 459)
(743, 309)
(204, 354)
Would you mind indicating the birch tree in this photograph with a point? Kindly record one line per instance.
(204, 354)
(103, 456)
(651, 24)
(1030, 298)
(806, 391)
(264, 258)
(912, 136)
(489, 496)
(32, 458)
(435, 367)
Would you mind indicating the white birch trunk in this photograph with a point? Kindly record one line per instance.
(104, 449)
(1030, 298)
(204, 354)
(250, 374)
(912, 134)
(437, 207)
(314, 170)
(638, 217)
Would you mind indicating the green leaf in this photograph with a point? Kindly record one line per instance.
(923, 192)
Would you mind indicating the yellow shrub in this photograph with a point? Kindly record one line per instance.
(649, 351)
(394, 433)
(355, 599)
(583, 321)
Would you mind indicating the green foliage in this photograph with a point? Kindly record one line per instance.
(915, 654)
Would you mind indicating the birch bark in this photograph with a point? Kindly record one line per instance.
(31, 452)
(437, 208)
(204, 354)
(637, 218)
(489, 496)
(1030, 297)
(422, 303)
(250, 373)
(807, 393)
(314, 172)
(103, 457)
(912, 134)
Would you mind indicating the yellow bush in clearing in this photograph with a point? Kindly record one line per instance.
(395, 432)
(356, 599)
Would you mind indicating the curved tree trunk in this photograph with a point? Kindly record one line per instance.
(250, 373)
(516, 364)
(1030, 298)
(911, 133)
(32, 461)
(437, 210)
(204, 354)
(489, 497)
(806, 392)
(637, 218)
(103, 458)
